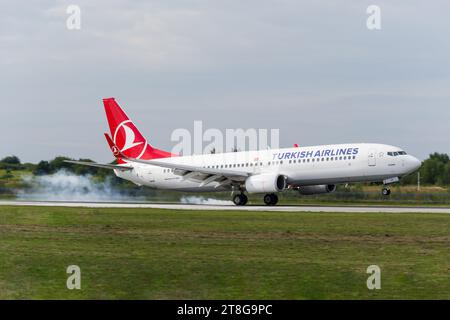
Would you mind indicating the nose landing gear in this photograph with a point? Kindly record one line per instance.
(386, 191)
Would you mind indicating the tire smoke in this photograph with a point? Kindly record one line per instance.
(203, 200)
(66, 186)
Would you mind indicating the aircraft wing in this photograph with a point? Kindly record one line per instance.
(206, 175)
(99, 165)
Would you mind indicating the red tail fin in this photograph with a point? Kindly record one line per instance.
(127, 137)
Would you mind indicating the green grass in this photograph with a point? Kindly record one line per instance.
(158, 254)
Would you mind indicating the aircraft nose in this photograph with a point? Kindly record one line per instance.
(415, 163)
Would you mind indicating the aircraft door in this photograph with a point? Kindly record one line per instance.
(372, 158)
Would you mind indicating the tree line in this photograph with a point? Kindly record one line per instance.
(434, 171)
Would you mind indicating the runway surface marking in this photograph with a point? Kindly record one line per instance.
(300, 208)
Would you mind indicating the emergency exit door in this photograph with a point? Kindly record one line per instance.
(372, 158)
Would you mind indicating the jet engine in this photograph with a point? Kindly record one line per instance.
(318, 189)
(265, 183)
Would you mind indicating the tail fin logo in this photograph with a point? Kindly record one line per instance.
(125, 139)
(130, 139)
(126, 136)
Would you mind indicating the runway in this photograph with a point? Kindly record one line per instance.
(175, 206)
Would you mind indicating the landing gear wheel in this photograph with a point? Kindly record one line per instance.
(386, 192)
(240, 199)
(270, 199)
(244, 197)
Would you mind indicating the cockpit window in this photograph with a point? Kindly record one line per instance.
(396, 153)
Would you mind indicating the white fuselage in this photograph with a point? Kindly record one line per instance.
(303, 166)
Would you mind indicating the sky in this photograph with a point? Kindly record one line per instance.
(311, 69)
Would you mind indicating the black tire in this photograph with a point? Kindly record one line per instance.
(245, 198)
(240, 199)
(274, 199)
(270, 199)
(386, 192)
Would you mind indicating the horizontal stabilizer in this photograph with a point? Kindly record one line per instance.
(99, 165)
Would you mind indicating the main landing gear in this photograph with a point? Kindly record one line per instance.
(240, 199)
(386, 191)
(271, 199)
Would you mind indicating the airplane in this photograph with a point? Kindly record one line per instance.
(306, 170)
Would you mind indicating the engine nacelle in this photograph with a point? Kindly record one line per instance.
(265, 183)
(319, 189)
